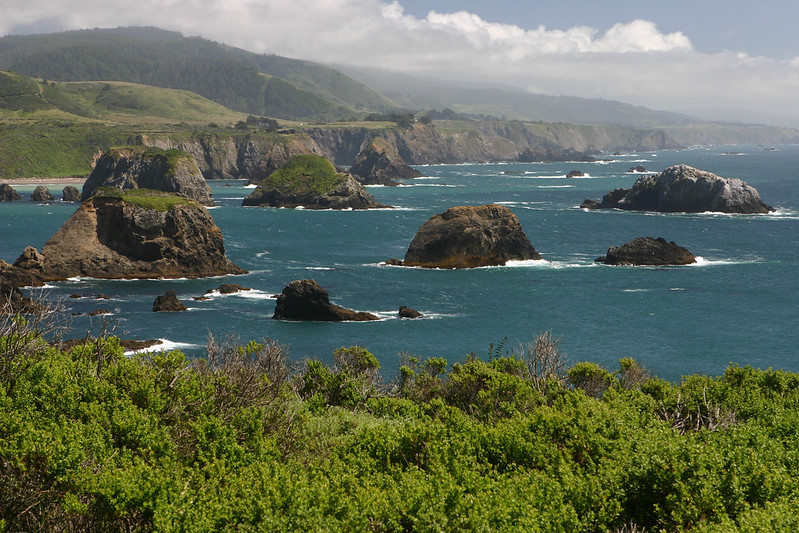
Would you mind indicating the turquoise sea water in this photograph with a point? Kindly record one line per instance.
(738, 305)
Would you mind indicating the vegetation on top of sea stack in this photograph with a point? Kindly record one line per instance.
(304, 174)
(145, 198)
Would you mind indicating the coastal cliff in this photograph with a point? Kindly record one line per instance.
(255, 155)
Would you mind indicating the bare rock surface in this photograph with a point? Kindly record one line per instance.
(141, 234)
(470, 236)
(648, 251)
(306, 300)
(684, 189)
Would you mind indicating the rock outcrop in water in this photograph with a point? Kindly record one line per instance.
(380, 164)
(137, 234)
(684, 189)
(70, 193)
(139, 167)
(8, 194)
(306, 300)
(42, 194)
(648, 251)
(469, 236)
(168, 303)
(311, 182)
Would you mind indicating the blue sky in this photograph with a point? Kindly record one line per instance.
(727, 59)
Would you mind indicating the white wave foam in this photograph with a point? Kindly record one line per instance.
(251, 186)
(636, 290)
(164, 345)
(555, 186)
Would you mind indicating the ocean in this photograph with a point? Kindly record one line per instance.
(737, 305)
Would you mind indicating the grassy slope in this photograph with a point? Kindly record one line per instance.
(54, 129)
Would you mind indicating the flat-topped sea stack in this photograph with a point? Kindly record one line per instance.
(145, 167)
(311, 182)
(648, 251)
(119, 234)
(470, 236)
(305, 300)
(380, 164)
(684, 189)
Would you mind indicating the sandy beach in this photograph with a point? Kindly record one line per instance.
(72, 180)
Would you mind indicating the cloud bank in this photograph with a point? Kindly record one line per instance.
(632, 61)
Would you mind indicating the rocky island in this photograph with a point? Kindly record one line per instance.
(648, 251)
(137, 233)
(469, 236)
(140, 167)
(684, 189)
(311, 182)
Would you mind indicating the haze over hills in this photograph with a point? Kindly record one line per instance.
(290, 89)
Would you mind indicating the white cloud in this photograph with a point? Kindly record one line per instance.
(632, 61)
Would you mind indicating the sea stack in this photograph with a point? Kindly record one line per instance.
(470, 236)
(137, 234)
(684, 189)
(311, 182)
(143, 167)
(380, 164)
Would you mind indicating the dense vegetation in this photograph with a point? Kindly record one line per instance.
(304, 174)
(145, 198)
(91, 439)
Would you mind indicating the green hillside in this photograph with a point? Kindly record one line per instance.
(237, 79)
(54, 129)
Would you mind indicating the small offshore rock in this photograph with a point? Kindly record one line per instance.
(42, 194)
(575, 174)
(306, 300)
(648, 251)
(70, 193)
(168, 302)
(228, 288)
(8, 194)
(407, 312)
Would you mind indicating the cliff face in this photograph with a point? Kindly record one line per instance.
(257, 155)
(117, 237)
(139, 167)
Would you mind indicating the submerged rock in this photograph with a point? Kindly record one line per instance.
(8, 194)
(470, 236)
(42, 194)
(306, 300)
(137, 234)
(648, 251)
(168, 302)
(311, 182)
(70, 193)
(141, 167)
(380, 164)
(684, 189)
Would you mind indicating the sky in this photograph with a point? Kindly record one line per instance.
(735, 58)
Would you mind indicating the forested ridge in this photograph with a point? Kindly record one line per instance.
(514, 440)
(239, 80)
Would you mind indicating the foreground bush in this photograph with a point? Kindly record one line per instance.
(92, 440)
